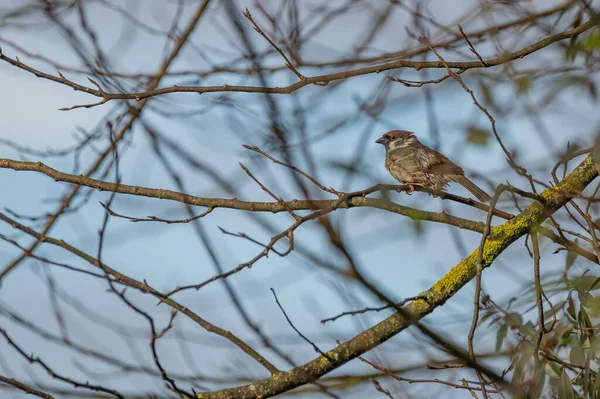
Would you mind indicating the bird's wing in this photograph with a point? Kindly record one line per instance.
(422, 159)
(438, 164)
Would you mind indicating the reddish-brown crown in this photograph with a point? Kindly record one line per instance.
(394, 135)
(397, 134)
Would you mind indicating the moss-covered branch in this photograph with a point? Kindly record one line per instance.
(500, 238)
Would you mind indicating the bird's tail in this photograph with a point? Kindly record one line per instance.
(472, 187)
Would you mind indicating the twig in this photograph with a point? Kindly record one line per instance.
(134, 115)
(322, 79)
(365, 310)
(34, 359)
(247, 237)
(471, 47)
(354, 199)
(288, 63)
(477, 295)
(292, 167)
(414, 83)
(154, 218)
(144, 287)
(381, 389)
(315, 347)
(538, 296)
(519, 169)
(415, 381)
(265, 189)
(25, 388)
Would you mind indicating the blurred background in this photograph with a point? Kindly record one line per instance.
(545, 110)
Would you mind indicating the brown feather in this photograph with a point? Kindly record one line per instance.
(411, 162)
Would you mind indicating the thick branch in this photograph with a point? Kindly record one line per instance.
(143, 287)
(500, 238)
(359, 200)
(233, 203)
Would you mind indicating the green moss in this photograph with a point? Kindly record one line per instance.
(454, 279)
(499, 239)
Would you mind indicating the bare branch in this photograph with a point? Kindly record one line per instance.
(319, 80)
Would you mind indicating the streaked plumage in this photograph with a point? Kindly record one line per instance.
(413, 163)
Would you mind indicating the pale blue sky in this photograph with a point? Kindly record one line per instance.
(169, 255)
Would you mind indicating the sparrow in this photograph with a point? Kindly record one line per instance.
(414, 164)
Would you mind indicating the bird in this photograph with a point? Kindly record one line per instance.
(414, 164)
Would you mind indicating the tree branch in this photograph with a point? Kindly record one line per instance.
(500, 238)
(319, 80)
(356, 200)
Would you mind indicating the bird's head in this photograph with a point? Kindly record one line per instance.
(396, 139)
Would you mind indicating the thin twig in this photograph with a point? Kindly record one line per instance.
(34, 359)
(365, 310)
(25, 388)
(265, 189)
(319, 80)
(415, 381)
(154, 218)
(315, 347)
(538, 296)
(292, 167)
(477, 295)
(471, 47)
(144, 287)
(257, 28)
(519, 169)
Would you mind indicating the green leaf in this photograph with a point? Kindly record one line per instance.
(584, 319)
(537, 383)
(571, 307)
(592, 303)
(570, 259)
(528, 330)
(486, 316)
(566, 338)
(594, 284)
(596, 386)
(477, 136)
(565, 389)
(591, 42)
(418, 227)
(577, 355)
(572, 49)
(588, 45)
(514, 320)
(517, 376)
(500, 336)
(553, 370)
(585, 298)
(523, 83)
(585, 325)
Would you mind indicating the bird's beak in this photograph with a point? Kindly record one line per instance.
(380, 140)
